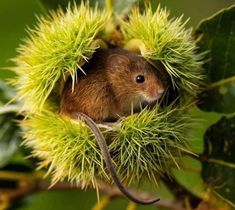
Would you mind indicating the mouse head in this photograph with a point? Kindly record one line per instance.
(131, 76)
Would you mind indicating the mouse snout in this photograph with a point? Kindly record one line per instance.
(160, 91)
(155, 92)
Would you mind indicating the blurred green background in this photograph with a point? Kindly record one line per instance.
(15, 16)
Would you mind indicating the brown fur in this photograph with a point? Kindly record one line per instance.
(109, 89)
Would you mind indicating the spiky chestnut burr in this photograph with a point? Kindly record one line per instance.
(147, 144)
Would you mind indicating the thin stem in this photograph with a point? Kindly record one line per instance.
(108, 4)
(102, 204)
(191, 170)
(132, 206)
(11, 175)
(192, 155)
(9, 109)
(221, 162)
(31, 186)
(221, 82)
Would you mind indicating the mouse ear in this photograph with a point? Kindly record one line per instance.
(117, 60)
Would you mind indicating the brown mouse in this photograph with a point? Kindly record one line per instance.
(116, 81)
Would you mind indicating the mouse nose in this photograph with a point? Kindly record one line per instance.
(160, 91)
(156, 92)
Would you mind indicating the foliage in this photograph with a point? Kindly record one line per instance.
(6, 93)
(9, 137)
(218, 158)
(216, 34)
(9, 130)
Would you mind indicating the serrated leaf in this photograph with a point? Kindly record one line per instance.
(121, 7)
(217, 36)
(218, 163)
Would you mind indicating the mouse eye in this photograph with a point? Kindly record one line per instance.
(140, 79)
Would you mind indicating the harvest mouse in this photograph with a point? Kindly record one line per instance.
(116, 82)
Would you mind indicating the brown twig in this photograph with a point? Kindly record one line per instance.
(29, 187)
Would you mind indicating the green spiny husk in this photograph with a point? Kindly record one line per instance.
(147, 144)
(66, 148)
(166, 40)
(143, 144)
(59, 45)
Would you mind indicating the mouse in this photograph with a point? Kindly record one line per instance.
(116, 83)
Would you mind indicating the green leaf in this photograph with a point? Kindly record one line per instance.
(217, 36)
(9, 130)
(218, 163)
(6, 93)
(9, 137)
(121, 7)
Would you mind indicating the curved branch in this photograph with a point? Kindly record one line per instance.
(29, 187)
